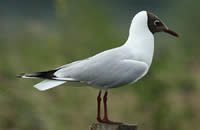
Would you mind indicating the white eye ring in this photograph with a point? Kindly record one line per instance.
(156, 22)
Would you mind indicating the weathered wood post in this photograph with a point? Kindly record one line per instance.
(103, 126)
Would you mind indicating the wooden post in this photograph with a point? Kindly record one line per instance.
(103, 126)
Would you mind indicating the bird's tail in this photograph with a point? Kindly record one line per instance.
(47, 84)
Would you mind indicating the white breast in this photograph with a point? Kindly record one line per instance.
(141, 41)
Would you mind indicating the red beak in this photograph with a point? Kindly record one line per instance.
(171, 32)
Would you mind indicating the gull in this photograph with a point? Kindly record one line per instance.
(112, 68)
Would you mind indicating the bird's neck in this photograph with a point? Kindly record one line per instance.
(141, 44)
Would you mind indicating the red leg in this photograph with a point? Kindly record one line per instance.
(105, 119)
(105, 106)
(99, 107)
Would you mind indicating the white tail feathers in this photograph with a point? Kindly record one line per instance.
(47, 84)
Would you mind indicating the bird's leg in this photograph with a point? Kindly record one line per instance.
(99, 107)
(105, 106)
(105, 119)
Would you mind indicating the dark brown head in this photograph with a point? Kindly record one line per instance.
(156, 25)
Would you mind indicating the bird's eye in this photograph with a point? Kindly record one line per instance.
(156, 22)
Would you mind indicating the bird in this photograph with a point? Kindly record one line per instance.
(112, 68)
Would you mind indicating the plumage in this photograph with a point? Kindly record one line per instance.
(111, 68)
(110, 72)
(115, 67)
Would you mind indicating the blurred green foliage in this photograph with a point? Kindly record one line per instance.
(167, 98)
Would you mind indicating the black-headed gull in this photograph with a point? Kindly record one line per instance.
(112, 68)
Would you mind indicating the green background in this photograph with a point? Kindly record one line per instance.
(42, 35)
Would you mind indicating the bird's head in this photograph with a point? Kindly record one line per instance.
(156, 25)
(145, 20)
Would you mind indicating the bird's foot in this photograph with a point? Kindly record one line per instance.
(99, 119)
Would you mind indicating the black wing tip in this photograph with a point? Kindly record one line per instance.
(43, 75)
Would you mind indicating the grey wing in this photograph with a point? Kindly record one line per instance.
(128, 71)
(107, 74)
